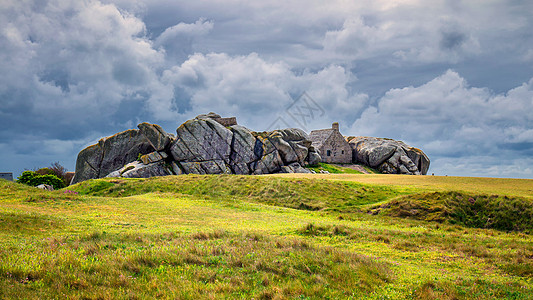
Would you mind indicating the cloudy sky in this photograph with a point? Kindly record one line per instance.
(452, 77)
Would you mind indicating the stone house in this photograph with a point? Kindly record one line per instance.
(331, 145)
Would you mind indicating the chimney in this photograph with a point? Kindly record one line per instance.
(335, 126)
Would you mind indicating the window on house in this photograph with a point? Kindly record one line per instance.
(342, 152)
(328, 153)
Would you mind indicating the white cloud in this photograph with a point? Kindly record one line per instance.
(255, 90)
(178, 40)
(397, 38)
(448, 118)
(74, 59)
(200, 27)
(82, 62)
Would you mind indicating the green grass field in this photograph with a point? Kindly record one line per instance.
(336, 236)
(478, 185)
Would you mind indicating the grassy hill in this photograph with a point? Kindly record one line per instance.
(269, 237)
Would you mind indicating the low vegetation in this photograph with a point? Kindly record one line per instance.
(323, 167)
(340, 169)
(56, 176)
(263, 237)
(480, 211)
(474, 185)
(33, 178)
(174, 265)
(293, 193)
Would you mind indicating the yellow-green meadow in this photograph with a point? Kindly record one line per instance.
(269, 237)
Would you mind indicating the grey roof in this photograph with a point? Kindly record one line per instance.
(320, 136)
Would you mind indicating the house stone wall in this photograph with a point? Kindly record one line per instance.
(340, 151)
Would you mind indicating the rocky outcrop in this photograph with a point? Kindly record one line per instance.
(313, 158)
(201, 146)
(389, 156)
(292, 143)
(209, 144)
(140, 170)
(245, 151)
(110, 154)
(156, 136)
(294, 168)
(203, 141)
(45, 187)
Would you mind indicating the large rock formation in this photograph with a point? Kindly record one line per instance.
(110, 154)
(209, 144)
(201, 146)
(389, 156)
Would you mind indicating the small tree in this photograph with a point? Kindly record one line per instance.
(58, 169)
(45, 171)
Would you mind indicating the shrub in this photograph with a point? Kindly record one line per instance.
(50, 179)
(45, 171)
(26, 177)
(58, 170)
(32, 178)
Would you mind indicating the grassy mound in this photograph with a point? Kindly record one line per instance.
(471, 210)
(293, 193)
(479, 211)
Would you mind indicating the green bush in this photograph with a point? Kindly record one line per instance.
(26, 177)
(45, 171)
(33, 178)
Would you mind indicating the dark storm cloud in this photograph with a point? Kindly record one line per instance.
(524, 148)
(74, 71)
(452, 39)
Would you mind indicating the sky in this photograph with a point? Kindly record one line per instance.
(453, 78)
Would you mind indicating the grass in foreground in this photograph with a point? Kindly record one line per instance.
(193, 237)
(210, 264)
